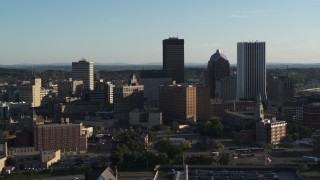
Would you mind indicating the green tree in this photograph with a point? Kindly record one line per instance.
(225, 159)
(208, 144)
(5, 134)
(186, 144)
(100, 129)
(295, 136)
(268, 146)
(303, 167)
(174, 151)
(151, 135)
(178, 159)
(165, 146)
(212, 128)
(199, 160)
(163, 158)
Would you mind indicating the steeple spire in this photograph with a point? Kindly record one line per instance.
(259, 109)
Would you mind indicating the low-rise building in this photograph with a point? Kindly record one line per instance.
(2, 162)
(268, 130)
(101, 119)
(29, 157)
(239, 120)
(13, 110)
(311, 115)
(316, 143)
(217, 109)
(145, 118)
(245, 137)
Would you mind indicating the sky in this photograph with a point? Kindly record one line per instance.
(131, 31)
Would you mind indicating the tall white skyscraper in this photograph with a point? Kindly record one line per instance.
(251, 70)
(83, 70)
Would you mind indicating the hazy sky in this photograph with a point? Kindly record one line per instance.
(131, 31)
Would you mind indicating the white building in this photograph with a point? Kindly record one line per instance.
(83, 70)
(110, 92)
(251, 70)
(31, 92)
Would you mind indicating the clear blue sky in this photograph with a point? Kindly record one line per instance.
(131, 31)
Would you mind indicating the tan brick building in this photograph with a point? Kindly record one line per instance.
(178, 102)
(31, 92)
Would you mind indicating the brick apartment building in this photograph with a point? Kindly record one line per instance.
(66, 137)
(178, 102)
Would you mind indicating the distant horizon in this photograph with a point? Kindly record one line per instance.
(151, 63)
(47, 31)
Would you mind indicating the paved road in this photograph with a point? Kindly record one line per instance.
(73, 177)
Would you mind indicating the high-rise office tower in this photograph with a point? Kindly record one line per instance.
(173, 58)
(151, 80)
(280, 89)
(83, 70)
(218, 68)
(226, 88)
(127, 98)
(251, 70)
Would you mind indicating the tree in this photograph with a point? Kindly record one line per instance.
(186, 144)
(165, 146)
(163, 158)
(174, 150)
(10, 162)
(303, 167)
(5, 134)
(151, 135)
(100, 129)
(268, 146)
(212, 128)
(225, 159)
(177, 159)
(199, 160)
(295, 136)
(208, 144)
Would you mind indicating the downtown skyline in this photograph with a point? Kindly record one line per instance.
(132, 32)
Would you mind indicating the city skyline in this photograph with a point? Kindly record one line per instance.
(131, 32)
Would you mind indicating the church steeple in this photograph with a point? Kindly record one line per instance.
(259, 109)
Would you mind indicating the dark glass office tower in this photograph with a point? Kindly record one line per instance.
(173, 58)
(218, 68)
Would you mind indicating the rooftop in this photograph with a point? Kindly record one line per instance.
(218, 55)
